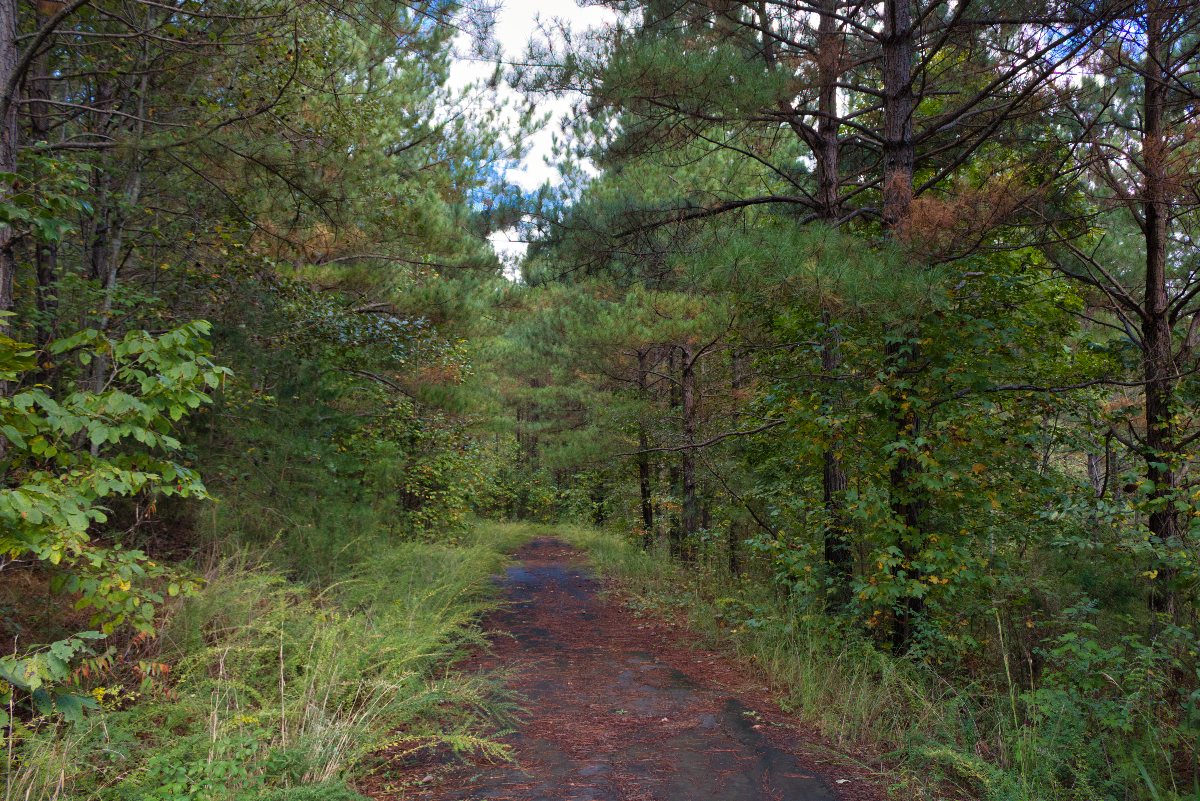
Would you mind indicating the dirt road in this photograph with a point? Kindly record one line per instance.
(620, 708)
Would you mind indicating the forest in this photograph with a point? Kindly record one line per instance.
(861, 337)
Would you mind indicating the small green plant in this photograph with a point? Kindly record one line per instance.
(43, 674)
(225, 772)
(65, 456)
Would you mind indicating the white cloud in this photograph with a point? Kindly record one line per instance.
(510, 251)
(516, 23)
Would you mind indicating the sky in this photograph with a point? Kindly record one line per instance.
(516, 22)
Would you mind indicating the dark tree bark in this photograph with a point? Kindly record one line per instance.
(46, 253)
(645, 474)
(675, 532)
(899, 149)
(690, 402)
(8, 145)
(737, 532)
(826, 154)
(1159, 369)
(899, 157)
(834, 484)
(827, 148)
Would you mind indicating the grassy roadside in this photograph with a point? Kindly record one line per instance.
(861, 699)
(277, 690)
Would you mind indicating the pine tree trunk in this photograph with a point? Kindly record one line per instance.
(899, 152)
(834, 484)
(8, 147)
(675, 533)
(899, 155)
(737, 532)
(46, 255)
(827, 151)
(1159, 371)
(645, 485)
(827, 156)
(690, 404)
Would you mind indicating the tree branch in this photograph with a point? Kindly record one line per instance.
(31, 52)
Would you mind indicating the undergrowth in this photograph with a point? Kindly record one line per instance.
(938, 737)
(279, 691)
(325, 626)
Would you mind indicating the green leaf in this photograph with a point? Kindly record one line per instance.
(71, 706)
(13, 436)
(43, 701)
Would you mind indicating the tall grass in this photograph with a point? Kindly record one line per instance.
(935, 737)
(275, 690)
(855, 693)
